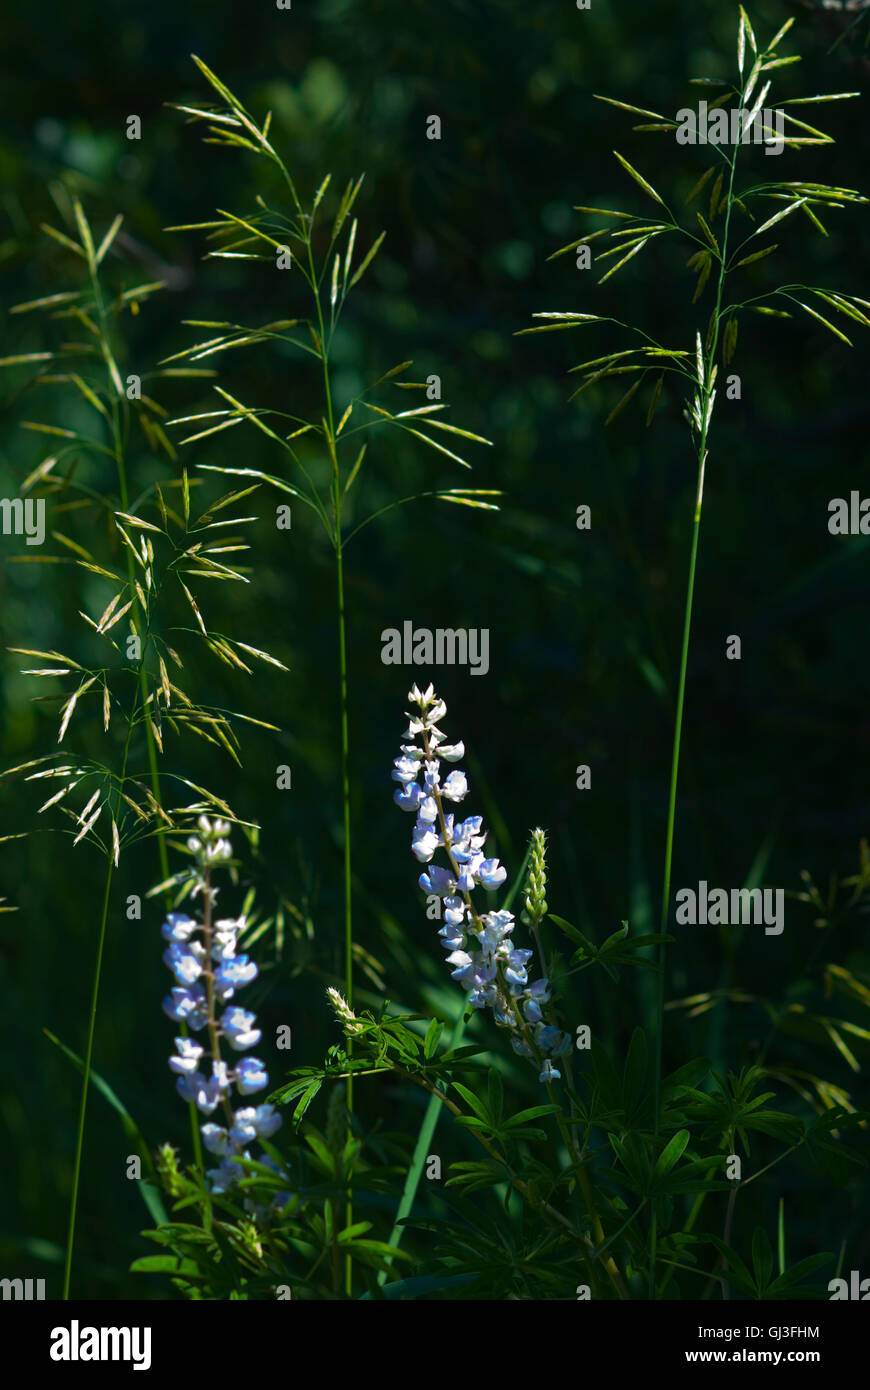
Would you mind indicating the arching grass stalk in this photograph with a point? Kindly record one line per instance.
(294, 237)
(707, 400)
(115, 398)
(134, 809)
(751, 95)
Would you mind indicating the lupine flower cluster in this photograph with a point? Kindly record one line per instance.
(480, 948)
(204, 958)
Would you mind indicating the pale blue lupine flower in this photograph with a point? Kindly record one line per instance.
(184, 962)
(203, 956)
(251, 1075)
(455, 786)
(189, 1054)
(481, 955)
(238, 1027)
(216, 1140)
(232, 974)
(188, 1004)
(409, 798)
(178, 927)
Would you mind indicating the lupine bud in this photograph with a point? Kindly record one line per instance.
(536, 883)
(343, 1012)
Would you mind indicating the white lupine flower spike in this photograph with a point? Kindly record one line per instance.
(203, 956)
(481, 953)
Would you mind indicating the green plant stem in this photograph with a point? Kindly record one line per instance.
(705, 397)
(92, 1025)
(345, 792)
(421, 1152)
(150, 745)
(345, 740)
(83, 1101)
(433, 1109)
(118, 451)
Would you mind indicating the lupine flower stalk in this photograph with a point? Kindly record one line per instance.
(482, 954)
(203, 956)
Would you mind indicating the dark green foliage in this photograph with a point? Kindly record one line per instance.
(585, 630)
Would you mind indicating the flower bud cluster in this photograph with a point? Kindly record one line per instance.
(536, 883)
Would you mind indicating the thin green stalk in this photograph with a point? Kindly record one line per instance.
(421, 1152)
(196, 1140)
(92, 1025)
(118, 453)
(433, 1109)
(345, 793)
(705, 395)
(86, 1076)
(345, 740)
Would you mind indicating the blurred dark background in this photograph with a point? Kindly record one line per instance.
(585, 626)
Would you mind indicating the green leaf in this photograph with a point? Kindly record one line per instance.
(836, 332)
(472, 1101)
(777, 217)
(109, 237)
(614, 939)
(747, 27)
(758, 255)
(367, 260)
(495, 1095)
(654, 400)
(780, 34)
(572, 932)
(621, 404)
(639, 179)
(786, 1282)
(305, 1100)
(348, 199)
(433, 444)
(740, 1275)
(638, 110)
(165, 1264)
(26, 357)
(708, 233)
(619, 264)
(671, 1153)
(699, 186)
(148, 1190)
(433, 1034)
(534, 1112)
(706, 265)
